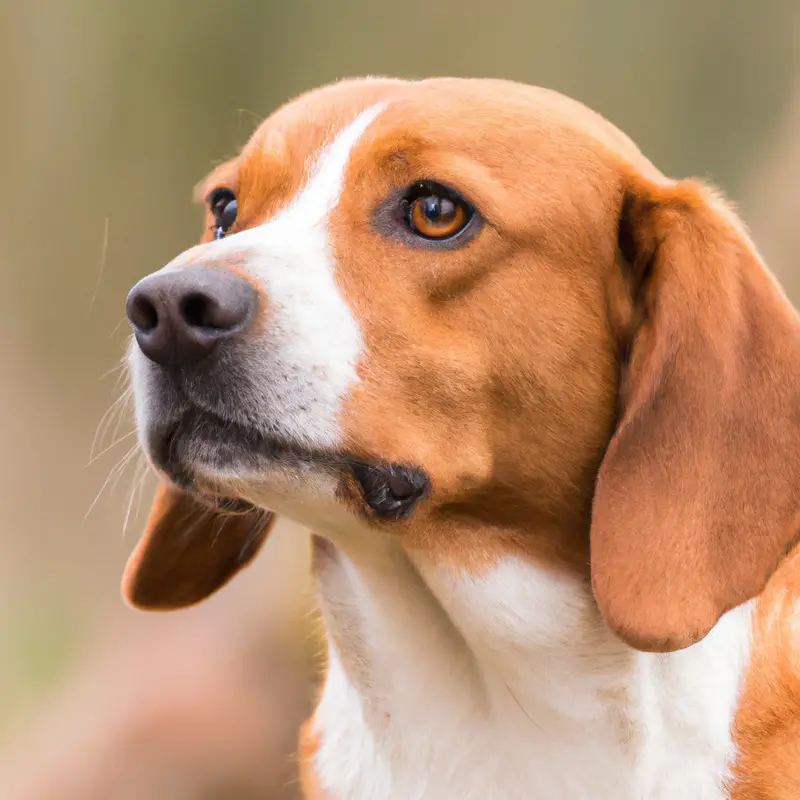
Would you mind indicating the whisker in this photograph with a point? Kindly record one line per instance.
(118, 367)
(103, 259)
(116, 408)
(110, 447)
(121, 416)
(115, 473)
(136, 489)
(104, 420)
(121, 321)
(128, 459)
(191, 520)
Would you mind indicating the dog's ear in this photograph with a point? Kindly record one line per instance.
(189, 550)
(697, 498)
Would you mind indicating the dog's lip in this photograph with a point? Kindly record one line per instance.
(197, 425)
(193, 477)
(390, 490)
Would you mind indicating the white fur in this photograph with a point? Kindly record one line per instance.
(304, 363)
(445, 686)
(312, 335)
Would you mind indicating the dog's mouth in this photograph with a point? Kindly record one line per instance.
(199, 441)
(199, 446)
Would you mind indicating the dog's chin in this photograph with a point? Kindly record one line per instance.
(236, 468)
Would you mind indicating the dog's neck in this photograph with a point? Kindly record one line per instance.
(447, 685)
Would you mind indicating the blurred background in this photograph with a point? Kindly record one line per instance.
(111, 112)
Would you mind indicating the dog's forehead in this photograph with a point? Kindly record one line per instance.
(484, 115)
(306, 124)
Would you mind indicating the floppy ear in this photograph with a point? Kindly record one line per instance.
(697, 498)
(189, 550)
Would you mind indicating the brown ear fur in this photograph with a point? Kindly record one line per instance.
(697, 498)
(189, 551)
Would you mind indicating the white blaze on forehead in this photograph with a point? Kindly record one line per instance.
(305, 362)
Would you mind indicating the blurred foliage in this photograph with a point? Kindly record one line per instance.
(113, 110)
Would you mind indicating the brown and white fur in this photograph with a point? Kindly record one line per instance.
(601, 384)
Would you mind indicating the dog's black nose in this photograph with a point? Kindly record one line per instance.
(179, 317)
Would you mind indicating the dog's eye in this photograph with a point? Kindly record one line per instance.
(436, 212)
(222, 203)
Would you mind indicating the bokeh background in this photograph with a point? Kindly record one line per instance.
(110, 112)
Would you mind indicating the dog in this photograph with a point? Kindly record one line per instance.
(539, 405)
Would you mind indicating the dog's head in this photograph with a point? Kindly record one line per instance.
(470, 314)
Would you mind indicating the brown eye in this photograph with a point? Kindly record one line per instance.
(434, 212)
(222, 203)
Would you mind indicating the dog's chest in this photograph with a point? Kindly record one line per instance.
(443, 685)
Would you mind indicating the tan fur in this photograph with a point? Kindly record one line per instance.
(604, 379)
(768, 722)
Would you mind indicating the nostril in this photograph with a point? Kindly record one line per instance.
(225, 311)
(142, 313)
(197, 311)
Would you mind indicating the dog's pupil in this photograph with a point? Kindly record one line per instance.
(439, 209)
